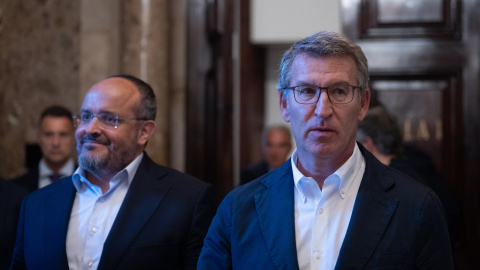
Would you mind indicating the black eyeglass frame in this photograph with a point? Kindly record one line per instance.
(319, 93)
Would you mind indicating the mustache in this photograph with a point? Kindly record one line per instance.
(92, 138)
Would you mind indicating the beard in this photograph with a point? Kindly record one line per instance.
(116, 158)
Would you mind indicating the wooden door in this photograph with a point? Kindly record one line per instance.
(210, 33)
(209, 92)
(424, 66)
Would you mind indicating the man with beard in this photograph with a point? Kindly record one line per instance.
(119, 210)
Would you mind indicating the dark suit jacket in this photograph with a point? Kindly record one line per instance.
(29, 180)
(396, 223)
(253, 172)
(161, 224)
(10, 200)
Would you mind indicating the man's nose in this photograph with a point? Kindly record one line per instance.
(56, 139)
(323, 107)
(93, 126)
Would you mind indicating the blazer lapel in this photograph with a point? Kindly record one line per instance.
(143, 197)
(56, 220)
(371, 214)
(275, 209)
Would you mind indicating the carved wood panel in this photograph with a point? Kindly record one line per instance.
(209, 93)
(410, 19)
(427, 109)
(423, 59)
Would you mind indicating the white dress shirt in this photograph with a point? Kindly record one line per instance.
(44, 172)
(322, 216)
(93, 214)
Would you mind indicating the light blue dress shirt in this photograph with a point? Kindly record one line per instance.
(93, 214)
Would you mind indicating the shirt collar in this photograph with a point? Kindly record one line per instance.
(345, 174)
(45, 171)
(81, 183)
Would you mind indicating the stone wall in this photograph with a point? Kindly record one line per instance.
(52, 51)
(39, 66)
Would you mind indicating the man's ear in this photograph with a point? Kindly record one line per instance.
(283, 105)
(364, 104)
(146, 131)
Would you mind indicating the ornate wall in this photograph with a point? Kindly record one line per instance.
(39, 66)
(52, 51)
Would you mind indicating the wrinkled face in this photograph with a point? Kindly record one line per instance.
(106, 149)
(324, 130)
(56, 140)
(277, 147)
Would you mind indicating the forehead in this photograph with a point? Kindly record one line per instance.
(323, 70)
(56, 123)
(112, 95)
(277, 134)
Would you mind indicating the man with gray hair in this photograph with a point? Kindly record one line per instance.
(276, 146)
(332, 205)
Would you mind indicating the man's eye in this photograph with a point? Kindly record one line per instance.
(307, 91)
(339, 91)
(108, 118)
(85, 117)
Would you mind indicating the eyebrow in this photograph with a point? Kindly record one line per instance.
(100, 112)
(341, 82)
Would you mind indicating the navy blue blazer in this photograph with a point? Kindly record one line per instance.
(396, 223)
(161, 223)
(11, 197)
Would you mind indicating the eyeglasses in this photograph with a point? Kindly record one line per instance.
(337, 94)
(107, 119)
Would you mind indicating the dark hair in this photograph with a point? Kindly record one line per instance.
(324, 44)
(56, 111)
(148, 105)
(384, 131)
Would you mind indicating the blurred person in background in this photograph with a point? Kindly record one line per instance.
(380, 134)
(56, 139)
(276, 146)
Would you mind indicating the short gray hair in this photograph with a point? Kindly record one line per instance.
(324, 44)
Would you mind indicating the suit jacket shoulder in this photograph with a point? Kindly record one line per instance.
(29, 180)
(10, 200)
(396, 222)
(161, 222)
(254, 226)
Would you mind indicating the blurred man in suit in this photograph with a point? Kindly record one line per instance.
(276, 146)
(57, 142)
(119, 210)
